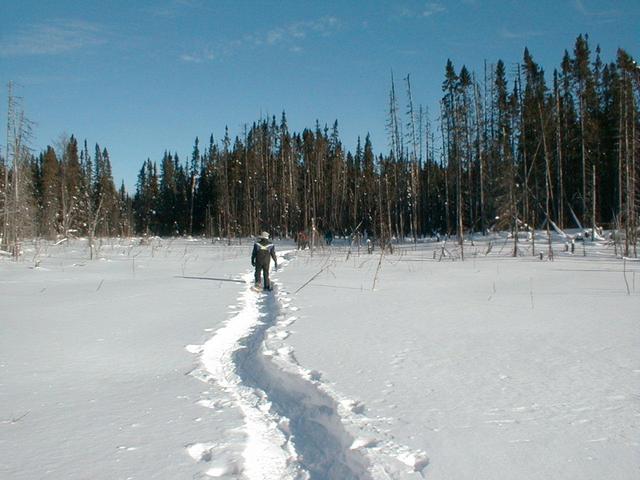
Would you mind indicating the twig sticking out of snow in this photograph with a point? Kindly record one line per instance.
(17, 419)
(325, 266)
(558, 230)
(531, 291)
(624, 274)
(489, 247)
(375, 278)
(310, 280)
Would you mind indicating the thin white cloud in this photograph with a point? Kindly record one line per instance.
(427, 10)
(580, 6)
(324, 26)
(189, 58)
(288, 36)
(274, 36)
(432, 8)
(206, 55)
(52, 38)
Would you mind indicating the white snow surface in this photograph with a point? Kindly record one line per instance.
(158, 361)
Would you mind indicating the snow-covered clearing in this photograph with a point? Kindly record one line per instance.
(158, 361)
(93, 366)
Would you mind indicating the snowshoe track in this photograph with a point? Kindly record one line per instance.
(295, 425)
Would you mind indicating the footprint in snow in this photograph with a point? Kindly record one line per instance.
(225, 469)
(418, 461)
(195, 349)
(200, 452)
(364, 442)
(283, 334)
(125, 448)
(354, 406)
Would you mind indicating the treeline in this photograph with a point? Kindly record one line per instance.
(518, 151)
(509, 148)
(65, 193)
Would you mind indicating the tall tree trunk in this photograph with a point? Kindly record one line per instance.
(559, 166)
(583, 153)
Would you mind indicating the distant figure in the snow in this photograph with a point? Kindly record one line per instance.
(263, 252)
(328, 237)
(302, 240)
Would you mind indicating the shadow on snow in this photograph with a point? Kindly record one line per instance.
(317, 432)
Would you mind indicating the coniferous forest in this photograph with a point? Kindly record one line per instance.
(511, 146)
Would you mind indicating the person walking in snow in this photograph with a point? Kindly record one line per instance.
(328, 237)
(263, 252)
(302, 240)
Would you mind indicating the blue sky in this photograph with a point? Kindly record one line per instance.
(141, 77)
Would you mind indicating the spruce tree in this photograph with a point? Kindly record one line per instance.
(51, 208)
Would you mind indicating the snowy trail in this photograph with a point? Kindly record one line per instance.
(307, 414)
(296, 426)
(267, 454)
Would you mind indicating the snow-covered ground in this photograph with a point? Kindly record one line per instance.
(158, 361)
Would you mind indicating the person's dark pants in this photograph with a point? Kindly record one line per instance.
(262, 270)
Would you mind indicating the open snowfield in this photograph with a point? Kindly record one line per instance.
(158, 361)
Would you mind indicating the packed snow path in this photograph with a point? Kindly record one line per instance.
(311, 416)
(294, 424)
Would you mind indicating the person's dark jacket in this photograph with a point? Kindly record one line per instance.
(263, 252)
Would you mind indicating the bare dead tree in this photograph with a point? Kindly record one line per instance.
(547, 179)
(5, 189)
(559, 165)
(480, 152)
(413, 165)
(17, 209)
